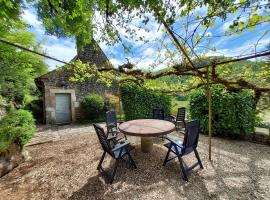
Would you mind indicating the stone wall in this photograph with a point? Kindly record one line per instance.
(57, 81)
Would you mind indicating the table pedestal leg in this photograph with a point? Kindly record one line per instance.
(146, 144)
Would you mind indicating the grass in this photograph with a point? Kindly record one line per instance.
(267, 116)
(177, 104)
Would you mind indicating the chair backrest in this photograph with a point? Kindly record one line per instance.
(158, 113)
(111, 118)
(191, 137)
(181, 114)
(103, 139)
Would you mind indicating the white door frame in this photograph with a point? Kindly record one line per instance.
(53, 102)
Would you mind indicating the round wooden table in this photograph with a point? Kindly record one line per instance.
(146, 129)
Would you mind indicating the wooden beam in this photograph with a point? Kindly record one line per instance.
(209, 98)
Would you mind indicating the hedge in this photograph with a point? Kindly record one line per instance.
(233, 113)
(138, 102)
(93, 106)
(18, 126)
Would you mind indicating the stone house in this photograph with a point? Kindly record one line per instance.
(61, 98)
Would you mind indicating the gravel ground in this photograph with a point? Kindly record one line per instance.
(66, 169)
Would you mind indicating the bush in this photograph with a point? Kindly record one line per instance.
(233, 113)
(36, 107)
(138, 102)
(18, 127)
(93, 106)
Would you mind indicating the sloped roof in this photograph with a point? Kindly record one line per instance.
(91, 53)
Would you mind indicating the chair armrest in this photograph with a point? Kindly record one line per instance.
(120, 145)
(170, 118)
(183, 132)
(111, 125)
(111, 137)
(174, 141)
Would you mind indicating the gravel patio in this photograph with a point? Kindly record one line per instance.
(65, 168)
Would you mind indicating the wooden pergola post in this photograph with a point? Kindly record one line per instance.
(209, 98)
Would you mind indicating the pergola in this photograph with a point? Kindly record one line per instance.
(182, 50)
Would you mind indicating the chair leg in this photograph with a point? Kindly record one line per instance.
(166, 158)
(182, 168)
(114, 171)
(198, 158)
(101, 160)
(131, 160)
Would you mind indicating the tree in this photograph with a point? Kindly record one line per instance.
(10, 14)
(182, 23)
(18, 69)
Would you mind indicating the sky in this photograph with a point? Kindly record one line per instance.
(144, 55)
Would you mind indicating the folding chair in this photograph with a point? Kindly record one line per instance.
(158, 113)
(180, 118)
(189, 145)
(117, 152)
(112, 125)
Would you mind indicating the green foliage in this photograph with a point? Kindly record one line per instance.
(93, 105)
(178, 104)
(19, 68)
(78, 18)
(257, 73)
(138, 102)
(9, 14)
(18, 127)
(233, 113)
(4, 106)
(35, 107)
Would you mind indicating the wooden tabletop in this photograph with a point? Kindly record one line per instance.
(146, 127)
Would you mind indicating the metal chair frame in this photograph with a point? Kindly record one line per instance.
(118, 151)
(186, 147)
(112, 125)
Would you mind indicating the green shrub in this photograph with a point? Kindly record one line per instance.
(35, 106)
(138, 102)
(18, 126)
(232, 112)
(93, 106)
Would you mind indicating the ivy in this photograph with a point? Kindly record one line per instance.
(138, 102)
(233, 113)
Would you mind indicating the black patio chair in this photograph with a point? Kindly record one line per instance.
(117, 151)
(112, 125)
(186, 147)
(158, 113)
(180, 118)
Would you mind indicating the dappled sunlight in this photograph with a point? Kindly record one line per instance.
(67, 170)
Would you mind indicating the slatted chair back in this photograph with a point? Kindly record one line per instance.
(181, 114)
(191, 137)
(103, 139)
(111, 118)
(158, 113)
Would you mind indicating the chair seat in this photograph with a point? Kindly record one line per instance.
(126, 149)
(110, 136)
(117, 153)
(175, 148)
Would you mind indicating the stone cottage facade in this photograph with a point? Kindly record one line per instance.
(61, 98)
